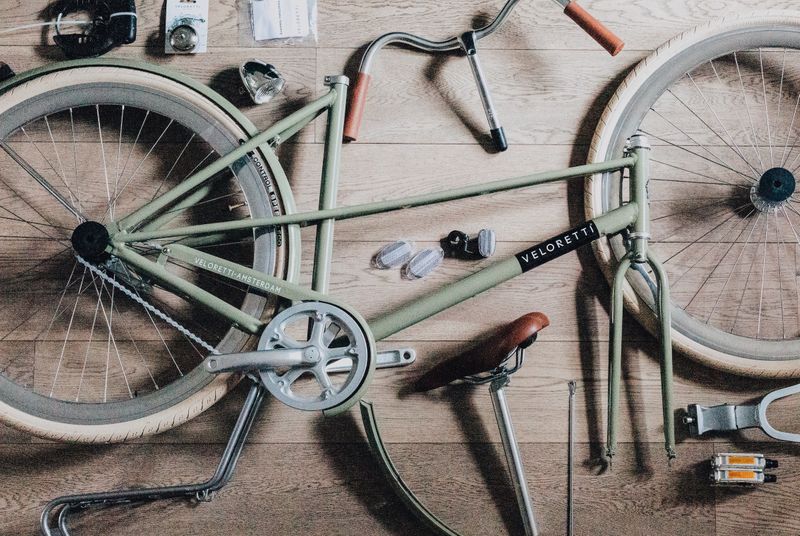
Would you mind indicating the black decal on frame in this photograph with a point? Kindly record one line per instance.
(557, 246)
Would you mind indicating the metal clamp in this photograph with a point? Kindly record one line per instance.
(727, 417)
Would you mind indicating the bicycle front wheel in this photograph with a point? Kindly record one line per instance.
(719, 105)
(84, 356)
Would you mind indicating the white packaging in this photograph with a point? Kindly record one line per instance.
(287, 20)
(186, 27)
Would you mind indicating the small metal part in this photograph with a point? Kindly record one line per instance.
(740, 477)
(738, 460)
(394, 254)
(423, 263)
(638, 141)
(388, 359)
(333, 79)
(460, 245)
(261, 360)
(513, 456)
(333, 333)
(261, 80)
(570, 456)
(726, 417)
(183, 38)
(468, 42)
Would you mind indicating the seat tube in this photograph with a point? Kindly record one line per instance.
(329, 183)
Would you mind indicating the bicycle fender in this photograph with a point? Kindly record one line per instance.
(392, 476)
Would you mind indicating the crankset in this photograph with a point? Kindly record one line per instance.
(311, 356)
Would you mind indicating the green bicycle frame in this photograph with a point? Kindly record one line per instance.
(146, 224)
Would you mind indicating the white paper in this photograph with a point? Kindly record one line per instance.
(280, 19)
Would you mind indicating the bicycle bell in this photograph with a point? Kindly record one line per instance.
(261, 80)
(182, 33)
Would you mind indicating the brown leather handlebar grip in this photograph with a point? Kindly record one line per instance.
(594, 28)
(352, 121)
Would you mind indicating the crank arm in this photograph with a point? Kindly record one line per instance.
(727, 417)
(261, 359)
(387, 359)
(284, 357)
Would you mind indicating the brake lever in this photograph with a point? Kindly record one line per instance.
(727, 417)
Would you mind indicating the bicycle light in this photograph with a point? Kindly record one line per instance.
(261, 80)
(393, 254)
(423, 263)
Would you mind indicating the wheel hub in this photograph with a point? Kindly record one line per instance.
(90, 239)
(772, 190)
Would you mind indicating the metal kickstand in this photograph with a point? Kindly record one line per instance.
(62, 507)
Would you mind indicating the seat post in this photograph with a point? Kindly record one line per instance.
(511, 447)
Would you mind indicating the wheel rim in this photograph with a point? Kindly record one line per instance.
(112, 401)
(689, 129)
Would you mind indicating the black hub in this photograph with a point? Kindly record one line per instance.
(90, 240)
(776, 185)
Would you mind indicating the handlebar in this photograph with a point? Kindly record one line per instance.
(355, 112)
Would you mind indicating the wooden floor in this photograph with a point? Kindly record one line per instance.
(424, 129)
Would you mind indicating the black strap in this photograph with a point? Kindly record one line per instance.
(106, 30)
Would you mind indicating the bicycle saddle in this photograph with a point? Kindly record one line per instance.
(487, 355)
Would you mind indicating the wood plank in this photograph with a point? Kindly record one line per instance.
(219, 70)
(542, 97)
(537, 397)
(762, 512)
(465, 498)
(533, 25)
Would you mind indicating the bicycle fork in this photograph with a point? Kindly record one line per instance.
(639, 255)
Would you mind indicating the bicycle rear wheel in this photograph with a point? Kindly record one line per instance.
(81, 358)
(719, 104)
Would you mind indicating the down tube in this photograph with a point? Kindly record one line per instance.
(495, 274)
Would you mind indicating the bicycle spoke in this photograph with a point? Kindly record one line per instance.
(714, 228)
(42, 182)
(735, 147)
(747, 109)
(733, 270)
(710, 250)
(766, 107)
(650, 134)
(780, 249)
(749, 274)
(738, 117)
(103, 153)
(718, 182)
(66, 337)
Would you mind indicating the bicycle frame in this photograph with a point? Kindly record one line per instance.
(146, 223)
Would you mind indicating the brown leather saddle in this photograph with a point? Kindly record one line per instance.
(487, 355)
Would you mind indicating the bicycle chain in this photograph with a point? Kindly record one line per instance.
(138, 299)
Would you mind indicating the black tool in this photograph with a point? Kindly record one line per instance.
(113, 23)
(459, 244)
